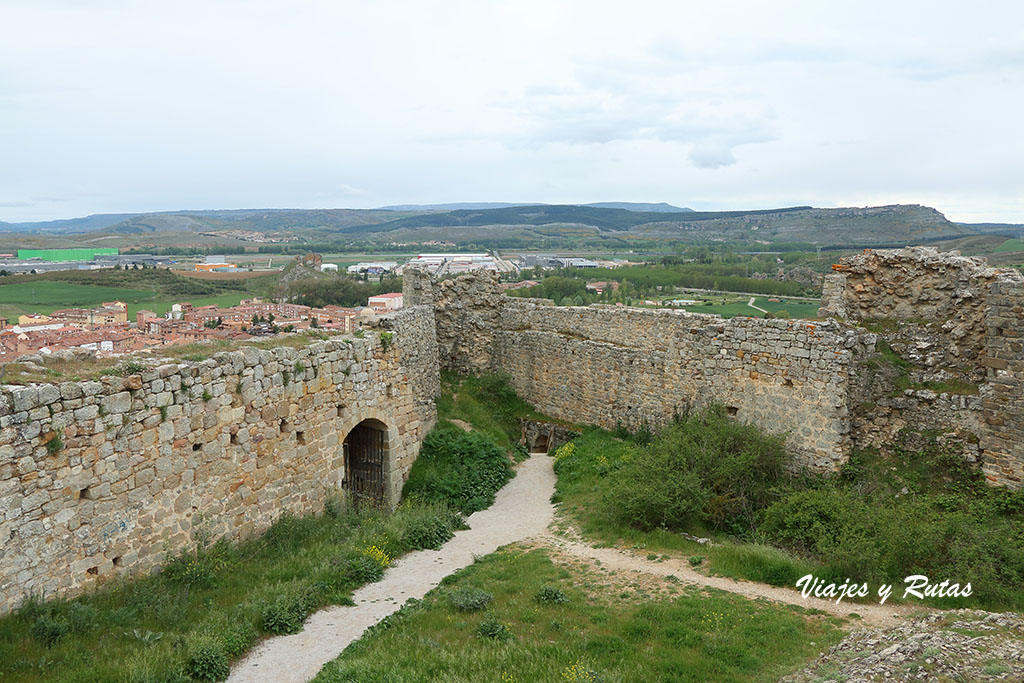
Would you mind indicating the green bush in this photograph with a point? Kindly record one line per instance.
(550, 595)
(946, 525)
(47, 629)
(429, 525)
(207, 662)
(358, 568)
(812, 520)
(493, 628)
(237, 635)
(469, 599)
(463, 469)
(286, 614)
(705, 469)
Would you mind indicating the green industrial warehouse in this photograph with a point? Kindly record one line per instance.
(65, 254)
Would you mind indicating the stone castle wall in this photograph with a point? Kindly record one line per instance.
(609, 365)
(953, 322)
(223, 447)
(107, 477)
(949, 317)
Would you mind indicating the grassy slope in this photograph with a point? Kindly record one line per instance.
(629, 634)
(486, 403)
(623, 631)
(145, 628)
(581, 488)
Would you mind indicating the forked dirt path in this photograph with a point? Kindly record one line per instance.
(618, 560)
(522, 510)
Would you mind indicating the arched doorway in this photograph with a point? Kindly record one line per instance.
(366, 453)
(540, 444)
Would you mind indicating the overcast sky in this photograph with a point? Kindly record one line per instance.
(138, 105)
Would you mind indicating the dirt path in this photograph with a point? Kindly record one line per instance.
(615, 559)
(757, 308)
(521, 510)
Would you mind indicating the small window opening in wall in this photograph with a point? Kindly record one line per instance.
(788, 383)
(341, 410)
(118, 561)
(284, 426)
(234, 439)
(300, 437)
(732, 410)
(92, 570)
(84, 493)
(197, 446)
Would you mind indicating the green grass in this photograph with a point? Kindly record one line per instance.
(1010, 245)
(488, 403)
(922, 510)
(47, 296)
(731, 307)
(681, 634)
(216, 603)
(151, 289)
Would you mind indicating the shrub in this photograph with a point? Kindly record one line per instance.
(704, 469)
(284, 615)
(207, 662)
(469, 599)
(237, 635)
(812, 520)
(429, 525)
(191, 569)
(550, 595)
(358, 568)
(464, 469)
(47, 629)
(494, 629)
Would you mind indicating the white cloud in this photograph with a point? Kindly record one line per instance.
(716, 105)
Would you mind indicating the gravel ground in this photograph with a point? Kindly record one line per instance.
(522, 509)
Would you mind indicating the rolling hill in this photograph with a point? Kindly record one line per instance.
(519, 226)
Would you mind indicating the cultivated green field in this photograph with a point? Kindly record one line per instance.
(151, 289)
(732, 306)
(47, 296)
(1010, 245)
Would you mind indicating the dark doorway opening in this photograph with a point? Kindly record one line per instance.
(540, 445)
(365, 450)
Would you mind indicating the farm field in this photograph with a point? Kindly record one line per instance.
(154, 290)
(731, 306)
(44, 297)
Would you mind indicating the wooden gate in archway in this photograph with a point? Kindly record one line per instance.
(365, 450)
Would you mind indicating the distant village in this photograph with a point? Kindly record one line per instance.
(106, 330)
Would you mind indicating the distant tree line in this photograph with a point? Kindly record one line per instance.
(336, 291)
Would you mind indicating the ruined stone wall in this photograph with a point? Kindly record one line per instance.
(607, 365)
(1002, 442)
(954, 323)
(225, 446)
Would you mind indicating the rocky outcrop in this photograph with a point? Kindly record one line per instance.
(961, 645)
